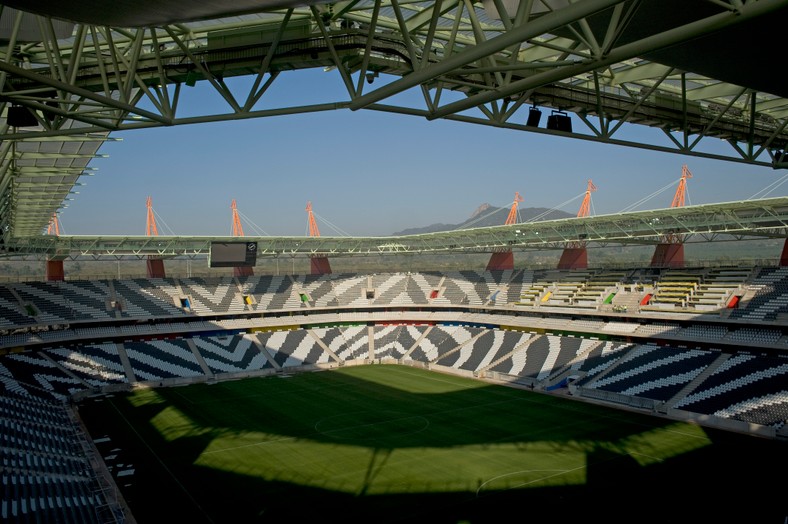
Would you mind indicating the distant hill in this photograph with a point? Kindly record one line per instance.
(487, 215)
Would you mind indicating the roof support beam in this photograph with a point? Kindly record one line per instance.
(526, 31)
(625, 52)
(5, 67)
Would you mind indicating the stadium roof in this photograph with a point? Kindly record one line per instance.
(697, 71)
(699, 223)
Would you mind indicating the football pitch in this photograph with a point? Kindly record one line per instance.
(391, 443)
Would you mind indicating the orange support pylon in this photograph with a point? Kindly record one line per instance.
(54, 225)
(681, 190)
(150, 223)
(54, 268)
(313, 230)
(512, 217)
(238, 231)
(319, 264)
(585, 207)
(155, 265)
(575, 254)
(502, 259)
(670, 252)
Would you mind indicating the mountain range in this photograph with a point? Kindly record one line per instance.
(486, 215)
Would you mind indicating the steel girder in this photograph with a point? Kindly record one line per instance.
(111, 79)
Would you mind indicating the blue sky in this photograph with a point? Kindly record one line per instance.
(369, 173)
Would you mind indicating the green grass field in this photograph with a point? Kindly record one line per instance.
(389, 443)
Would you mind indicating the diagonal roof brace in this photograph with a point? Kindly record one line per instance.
(516, 35)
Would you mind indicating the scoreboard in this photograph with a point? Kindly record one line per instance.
(232, 254)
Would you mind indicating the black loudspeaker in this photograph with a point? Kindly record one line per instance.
(191, 78)
(534, 117)
(19, 116)
(559, 122)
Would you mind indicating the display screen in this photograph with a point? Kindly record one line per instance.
(233, 254)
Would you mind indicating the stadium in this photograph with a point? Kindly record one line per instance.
(653, 392)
